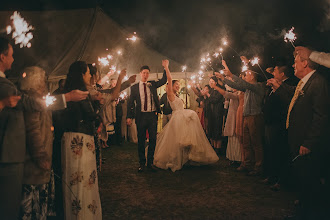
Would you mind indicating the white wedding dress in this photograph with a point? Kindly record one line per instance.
(182, 140)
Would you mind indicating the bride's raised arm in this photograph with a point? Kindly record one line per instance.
(170, 93)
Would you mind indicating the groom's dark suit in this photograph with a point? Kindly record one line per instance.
(308, 127)
(145, 120)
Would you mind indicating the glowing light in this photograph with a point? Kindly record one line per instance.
(113, 68)
(93, 64)
(133, 38)
(20, 30)
(184, 68)
(203, 60)
(193, 77)
(202, 67)
(255, 61)
(110, 57)
(189, 86)
(119, 52)
(103, 61)
(24, 75)
(244, 68)
(221, 49)
(290, 36)
(224, 42)
(118, 71)
(208, 59)
(216, 55)
(222, 72)
(200, 78)
(49, 99)
(125, 78)
(200, 72)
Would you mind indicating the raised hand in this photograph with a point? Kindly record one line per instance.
(270, 70)
(165, 63)
(132, 79)
(244, 59)
(224, 64)
(275, 84)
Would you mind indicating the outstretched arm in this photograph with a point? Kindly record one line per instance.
(170, 93)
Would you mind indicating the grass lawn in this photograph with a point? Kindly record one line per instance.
(216, 191)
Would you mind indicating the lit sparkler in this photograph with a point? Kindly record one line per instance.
(133, 38)
(290, 36)
(222, 72)
(125, 78)
(216, 55)
(49, 99)
(244, 68)
(184, 68)
(20, 30)
(254, 61)
(119, 52)
(103, 61)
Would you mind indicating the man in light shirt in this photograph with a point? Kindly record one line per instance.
(307, 122)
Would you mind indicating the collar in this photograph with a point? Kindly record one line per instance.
(2, 74)
(141, 83)
(306, 78)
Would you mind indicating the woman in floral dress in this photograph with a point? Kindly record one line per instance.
(79, 174)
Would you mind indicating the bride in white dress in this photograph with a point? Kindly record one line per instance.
(183, 138)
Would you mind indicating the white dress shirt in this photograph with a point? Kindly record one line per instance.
(151, 107)
(2, 74)
(306, 78)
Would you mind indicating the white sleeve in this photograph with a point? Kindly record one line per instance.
(320, 58)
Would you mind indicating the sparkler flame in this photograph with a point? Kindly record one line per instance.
(49, 99)
(254, 61)
(222, 72)
(290, 36)
(244, 68)
(184, 68)
(221, 49)
(216, 55)
(119, 52)
(224, 42)
(20, 30)
(104, 61)
(133, 38)
(125, 78)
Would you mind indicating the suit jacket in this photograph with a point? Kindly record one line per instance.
(134, 101)
(309, 117)
(12, 125)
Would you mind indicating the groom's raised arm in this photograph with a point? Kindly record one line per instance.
(162, 81)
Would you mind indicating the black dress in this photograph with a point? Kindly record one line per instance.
(214, 113)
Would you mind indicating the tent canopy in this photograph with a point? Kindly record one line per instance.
(62, 37)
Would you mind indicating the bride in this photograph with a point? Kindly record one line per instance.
(183, 138)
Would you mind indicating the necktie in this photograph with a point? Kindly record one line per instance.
(145, 97)
(293, 101)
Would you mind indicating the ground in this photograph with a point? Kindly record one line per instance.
(216, 191)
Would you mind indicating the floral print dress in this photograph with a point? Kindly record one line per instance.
(80, 182)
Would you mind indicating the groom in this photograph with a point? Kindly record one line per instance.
(143, 105)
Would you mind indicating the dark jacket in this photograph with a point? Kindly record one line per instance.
(79, 117)
(134, 101)
(309, 117)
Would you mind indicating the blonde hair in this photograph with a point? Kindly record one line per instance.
(32, 78)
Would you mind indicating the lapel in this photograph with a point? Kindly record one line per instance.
(306, 86)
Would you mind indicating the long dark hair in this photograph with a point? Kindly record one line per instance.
(74, 78)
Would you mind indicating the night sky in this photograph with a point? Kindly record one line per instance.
(185, 30)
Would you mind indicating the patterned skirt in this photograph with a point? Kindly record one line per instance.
(80, 182)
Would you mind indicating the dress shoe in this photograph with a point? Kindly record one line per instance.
(140, 169)
(152, 168)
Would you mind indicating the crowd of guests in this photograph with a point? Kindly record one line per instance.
(276, 129)
(50, 155)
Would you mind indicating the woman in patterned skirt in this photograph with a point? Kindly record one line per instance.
(80, 182)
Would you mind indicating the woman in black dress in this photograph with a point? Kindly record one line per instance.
(214, 113)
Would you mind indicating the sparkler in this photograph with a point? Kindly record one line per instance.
(255, 61)
(49, 99)
(290, 36)
(133, 38)
(244, 68)
(20, 30)
(103, 61)
(184, 68)
(125, 78)
(225, 43)
(119, 52)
